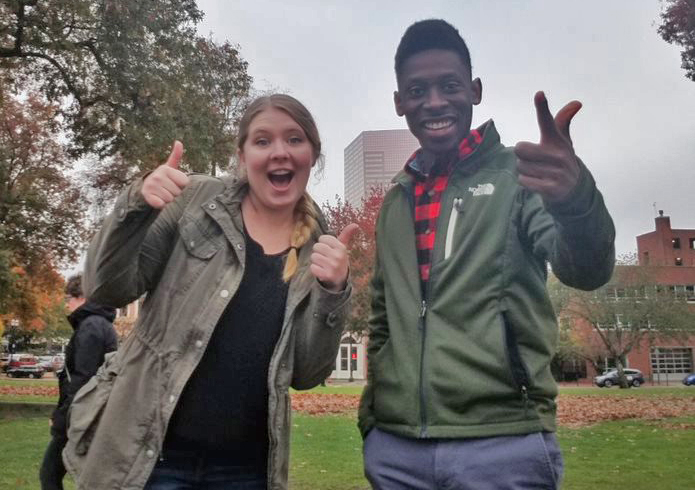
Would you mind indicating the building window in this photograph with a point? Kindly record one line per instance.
(646, 258)
(690, 293)
(679, 261)
(692, 244)
(343, 358)
(671, 360)
(676, 242)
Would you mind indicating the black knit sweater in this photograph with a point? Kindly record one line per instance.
(223, 409)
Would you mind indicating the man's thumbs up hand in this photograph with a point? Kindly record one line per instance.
(329, 260)
(166, 181)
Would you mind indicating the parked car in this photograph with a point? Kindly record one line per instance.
(46, 362)
(24, 366)
(689, 380)
(58, 362)
(610, 377)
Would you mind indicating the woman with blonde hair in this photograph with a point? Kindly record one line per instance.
(246, 295)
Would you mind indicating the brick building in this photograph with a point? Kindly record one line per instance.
(667, 256)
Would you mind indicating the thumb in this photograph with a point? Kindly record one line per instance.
(564, 117)
(175, 155)
(347, 233)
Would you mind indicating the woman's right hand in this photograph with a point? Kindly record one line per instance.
(166, 181)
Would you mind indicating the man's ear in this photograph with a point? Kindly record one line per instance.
(477, 86)
(397, 103)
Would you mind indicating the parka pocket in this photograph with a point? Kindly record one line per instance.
(89, 403)
(519, 372)
(197, 242)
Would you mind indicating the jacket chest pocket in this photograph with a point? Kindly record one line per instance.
(200, 239)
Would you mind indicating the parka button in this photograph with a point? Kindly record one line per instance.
(212, 205)
(150, 453)
(239, 246)
(198, 343)
(121, 213)
(192, 243)
(224, 293)
(172, 398)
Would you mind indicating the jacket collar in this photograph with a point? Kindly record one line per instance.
(491, 140)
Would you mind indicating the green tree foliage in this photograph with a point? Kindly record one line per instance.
(130, 76)
(632, 308)
(678, 27)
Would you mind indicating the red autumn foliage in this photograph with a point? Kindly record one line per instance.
(362, 250)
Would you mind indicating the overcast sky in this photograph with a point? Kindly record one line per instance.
(636, 131)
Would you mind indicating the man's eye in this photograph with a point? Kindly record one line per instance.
(416, 92)
(452, 86)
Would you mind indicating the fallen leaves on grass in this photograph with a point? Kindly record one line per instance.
(579, 411)
(573, 411)
(315, 404)
(29, 390)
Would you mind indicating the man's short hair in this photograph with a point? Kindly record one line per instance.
(431, 34)
(73, 288)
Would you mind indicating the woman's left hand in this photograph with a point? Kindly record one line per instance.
(329, 260)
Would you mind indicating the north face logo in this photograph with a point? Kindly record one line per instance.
(482, 190)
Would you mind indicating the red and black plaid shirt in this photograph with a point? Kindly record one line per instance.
(428, 192)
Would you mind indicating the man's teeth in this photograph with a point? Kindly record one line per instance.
(439, 124)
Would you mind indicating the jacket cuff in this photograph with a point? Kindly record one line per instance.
(333, 305)
(131, 201)
(579, 202)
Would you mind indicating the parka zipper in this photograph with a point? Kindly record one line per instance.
(423, 412)
(519, 372)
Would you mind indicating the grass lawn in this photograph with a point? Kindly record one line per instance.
(326, 454)
(24, 441)
(327, 449)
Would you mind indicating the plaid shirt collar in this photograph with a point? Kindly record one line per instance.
(467, 146)
(428, 190)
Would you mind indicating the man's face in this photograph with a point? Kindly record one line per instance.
(73, 303)
(436, 95)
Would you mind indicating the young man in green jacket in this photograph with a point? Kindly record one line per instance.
(462, 332)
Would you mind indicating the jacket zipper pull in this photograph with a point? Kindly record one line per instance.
(524, 395)
(423, 309)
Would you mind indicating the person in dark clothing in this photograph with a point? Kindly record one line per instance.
(93, 338)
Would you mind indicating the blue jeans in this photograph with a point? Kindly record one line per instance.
(525, 462)
(191, 470)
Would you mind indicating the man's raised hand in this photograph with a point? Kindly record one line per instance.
(166, 181)
(550, 167)
(329, 260)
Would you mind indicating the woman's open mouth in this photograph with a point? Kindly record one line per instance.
(280, 179)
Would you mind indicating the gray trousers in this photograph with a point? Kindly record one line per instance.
(525, 462)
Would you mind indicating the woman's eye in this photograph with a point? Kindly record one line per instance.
(295, 140)
(262, 142)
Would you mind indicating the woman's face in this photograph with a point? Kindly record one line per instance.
(277, 158)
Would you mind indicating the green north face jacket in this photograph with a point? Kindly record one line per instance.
(472, 357)
(189, 260)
